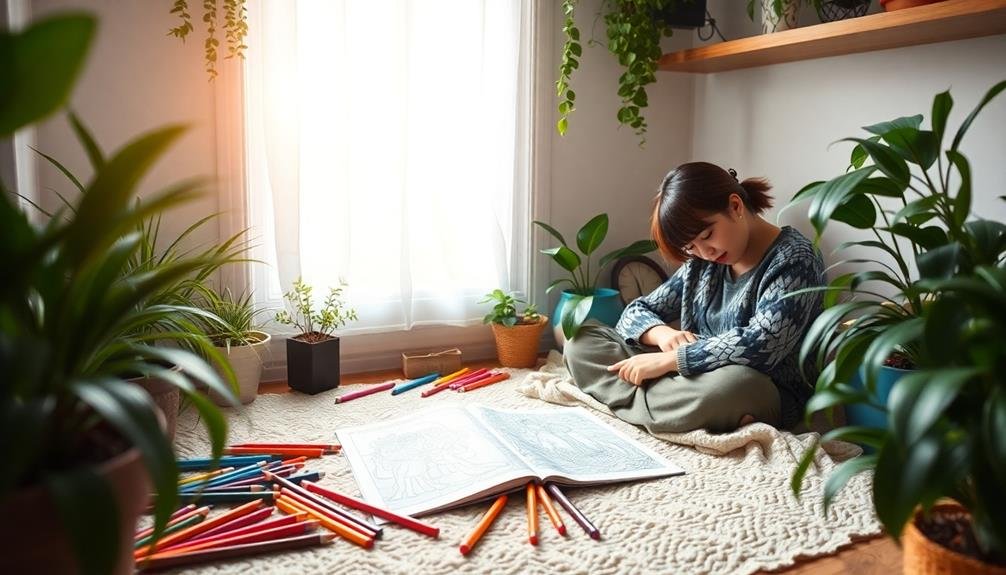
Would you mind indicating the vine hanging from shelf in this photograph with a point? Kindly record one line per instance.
(235, 28)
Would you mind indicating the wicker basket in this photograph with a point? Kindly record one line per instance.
(517, 346)
(926, 557)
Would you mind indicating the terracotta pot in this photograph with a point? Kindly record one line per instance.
(166, 397)
(246, 361)
(923, 556)
(517, 346)
(32, 536)
(891, 5)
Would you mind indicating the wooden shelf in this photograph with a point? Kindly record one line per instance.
(939, 22)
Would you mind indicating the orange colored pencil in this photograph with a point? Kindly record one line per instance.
(532, 514)
(469, 543)
(188, 514)
(291, 451)
(293, 461)
(334, 516)
(328, 447)
(275, 532)
(550, 509)
(451, 377)
(242, 551)
(287, 505)
(484, 382)
(198, 528)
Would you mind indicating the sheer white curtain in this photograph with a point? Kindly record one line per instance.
(387, 145)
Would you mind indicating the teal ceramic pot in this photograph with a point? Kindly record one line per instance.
(867, 415)
(607, 308)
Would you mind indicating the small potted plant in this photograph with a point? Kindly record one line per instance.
(237, 338)
(312, 356)
(583, 299)
(517, 334)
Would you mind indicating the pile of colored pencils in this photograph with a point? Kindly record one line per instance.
(461, 380)
(261, 477)
(537, 496)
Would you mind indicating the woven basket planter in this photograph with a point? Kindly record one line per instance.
(926, 557)
(517, 346)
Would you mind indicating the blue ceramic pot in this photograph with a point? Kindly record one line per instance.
(867, 415)
(607, 308)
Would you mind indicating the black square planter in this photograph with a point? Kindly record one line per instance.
(312, 367)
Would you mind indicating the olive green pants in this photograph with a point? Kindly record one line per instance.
(715, 400)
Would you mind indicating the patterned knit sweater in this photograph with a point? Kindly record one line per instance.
(743, 320)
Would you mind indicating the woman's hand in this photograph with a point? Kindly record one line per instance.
(644, 366)
(666, 337)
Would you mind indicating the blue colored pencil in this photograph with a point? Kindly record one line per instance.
(240, 473)
(206, 464)
(415, 383)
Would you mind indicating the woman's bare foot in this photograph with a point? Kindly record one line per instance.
(746, 420)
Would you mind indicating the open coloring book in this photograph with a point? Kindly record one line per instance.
(449, 456)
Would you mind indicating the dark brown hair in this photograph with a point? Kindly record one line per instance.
(692, 192)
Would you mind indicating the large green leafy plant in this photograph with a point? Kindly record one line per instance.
(634, 30)
(66, 298)
(582, 284)
(946, 421)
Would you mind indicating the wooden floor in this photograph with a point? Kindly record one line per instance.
(870, 557)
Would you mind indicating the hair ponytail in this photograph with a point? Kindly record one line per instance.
(757, 199)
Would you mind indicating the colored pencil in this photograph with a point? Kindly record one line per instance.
(259, 523)
(372, 389)
(328, 447)
(473, 376)
(216, 540)
(456, 385)
(185, 534)
(290, 451)
(484, 382)
(347, 533)
(558, 495)
(205, 476)
(224, 478)
(289, 530)
(211, 498)
(433, 390)
(246, 550)
(250, 472)
(232, 489)
(362, 523)
(450, 377)
(178, 526)
(469, 543)
(414, 383)
(180, 515)
(208, 463)
(348, 501)
(553, 515)
(313, 504)
(532, 513)
(281, 472)
(257, 516)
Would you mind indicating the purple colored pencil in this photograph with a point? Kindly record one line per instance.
(372, 389)
(580, 518)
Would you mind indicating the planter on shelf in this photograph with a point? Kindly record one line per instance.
(37, 542)
(246, 361)
(517, 346)
(834, 10)
(925, 556)
(606, 308)
(786, 19)
(312, 366)
(891, 5)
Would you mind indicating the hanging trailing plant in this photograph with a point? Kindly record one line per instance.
(235, 28)
(634, 31)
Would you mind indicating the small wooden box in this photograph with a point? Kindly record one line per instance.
(417, 364)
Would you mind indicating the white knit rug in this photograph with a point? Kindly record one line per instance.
(732, 512)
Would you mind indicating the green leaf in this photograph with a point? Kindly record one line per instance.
(592, 234)
(562, 125)
(843, 473)
(89, 512)
(989, 96)
(833, 194)
(66, 172)
(881, 187)
(40, 66)
(557, 283)
(551, 230)
(859, 155)
(942, 104)
(919, 399)
(636, 248)
(918, 146)
(857, 211)
(574, 313)
(916, 207)
(929, 237)
(796, 482)
(94, 153)
(564, 256)
(883, 128)
(962, 201)
(900, 334)
(989, 240)
(939, 262)
(889, 162)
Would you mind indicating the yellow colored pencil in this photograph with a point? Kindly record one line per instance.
(451, 377)
(206, 475)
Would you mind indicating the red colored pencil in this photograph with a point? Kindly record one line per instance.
(185, 534)
(484, 382)
(462, 382)
(434, 390)
(403, 520)
(329, 447)
(176, 518)
(475, 373)
(278, 521)
(291, 451)
(232, 525)
(365, 392)
(245, 550)
(249, 536)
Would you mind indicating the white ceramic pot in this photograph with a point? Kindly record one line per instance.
(772, 23)
(246, 361)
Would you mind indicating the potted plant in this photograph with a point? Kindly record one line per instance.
(941, 435)
(634, 30)
(583, 299)
(81, 446)
(777, 15)
(516, 334)
(312, 356)
(237, 338)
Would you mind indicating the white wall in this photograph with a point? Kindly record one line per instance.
(136, 79)
(778, 121)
